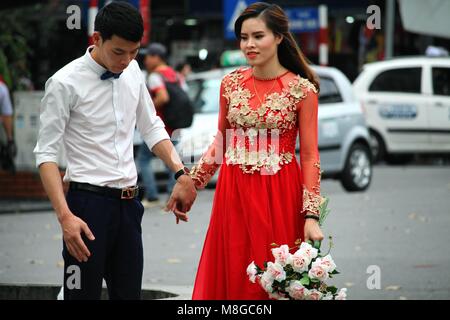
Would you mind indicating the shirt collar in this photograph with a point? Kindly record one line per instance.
(92, 63)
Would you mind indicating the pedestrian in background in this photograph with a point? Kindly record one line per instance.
(158, 73)
(8, 148)
(183, 69)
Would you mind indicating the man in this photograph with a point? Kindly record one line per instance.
(8, 152)
(93, 105)
(157, 70)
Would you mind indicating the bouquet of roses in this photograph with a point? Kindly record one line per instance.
(300, 275)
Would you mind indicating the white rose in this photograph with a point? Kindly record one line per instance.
(299, 261)
(281, 254)
(297, 291)
(251, 271)
(315, 295)
(277, 296)
(342, 294)
(309, 250)
(318, 272)
(266, 282)
(328, 296)
(328, 263)
(276, 271)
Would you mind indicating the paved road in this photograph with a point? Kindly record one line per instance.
(400, 227)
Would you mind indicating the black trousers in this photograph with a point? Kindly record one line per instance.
(116, 252)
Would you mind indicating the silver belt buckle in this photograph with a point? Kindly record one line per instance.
(129, 193)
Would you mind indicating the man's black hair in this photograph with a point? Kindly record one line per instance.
(121, 19)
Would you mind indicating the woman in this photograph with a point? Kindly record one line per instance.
(262, 195)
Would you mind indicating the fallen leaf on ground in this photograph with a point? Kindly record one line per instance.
(412, 216)
(349, 284)
(173, 260)
(57, 237)
(392, 288)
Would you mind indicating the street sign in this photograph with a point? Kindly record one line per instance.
(231, 11)
(231, 58)
(303, 19)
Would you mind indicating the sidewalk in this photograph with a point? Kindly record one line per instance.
(22, 206)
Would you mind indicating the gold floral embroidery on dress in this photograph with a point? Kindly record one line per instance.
(251, 161)
(202, 172)
(300, 87)
(316, 188)
(311, 202)
(277, 111)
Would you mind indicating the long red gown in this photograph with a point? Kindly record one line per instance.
(262, 192)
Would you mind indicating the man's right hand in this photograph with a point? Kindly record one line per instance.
(72, 227)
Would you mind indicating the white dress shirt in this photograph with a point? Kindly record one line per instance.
(95, 119)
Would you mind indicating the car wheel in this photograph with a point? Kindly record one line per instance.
(357, 173)
(377, 147)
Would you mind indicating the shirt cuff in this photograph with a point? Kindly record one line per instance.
(42, 158)
(155, 136)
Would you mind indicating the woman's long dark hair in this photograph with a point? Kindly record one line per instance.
(289, 53)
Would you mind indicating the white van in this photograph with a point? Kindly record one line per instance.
(407, 105)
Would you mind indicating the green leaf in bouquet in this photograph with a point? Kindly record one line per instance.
(305, 280)
(335, 272)
(332, 289)
(323, 210)
(315, 280)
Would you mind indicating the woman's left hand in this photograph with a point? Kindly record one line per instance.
(312, 231)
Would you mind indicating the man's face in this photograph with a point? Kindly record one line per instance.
(116, 53)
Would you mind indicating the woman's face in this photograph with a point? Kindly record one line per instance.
(258, 43)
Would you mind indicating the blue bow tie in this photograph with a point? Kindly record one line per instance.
(108, 74)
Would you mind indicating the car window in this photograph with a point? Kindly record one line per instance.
(329, 92)
(441, 81)
(398, 80)
(206, 100)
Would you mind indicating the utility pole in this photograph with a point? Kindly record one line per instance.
(389, 29)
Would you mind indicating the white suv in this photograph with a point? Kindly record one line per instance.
(407, 106)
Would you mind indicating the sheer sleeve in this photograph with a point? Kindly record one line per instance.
(309, 153)
(205, 169)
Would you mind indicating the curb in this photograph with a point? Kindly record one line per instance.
(50, 292)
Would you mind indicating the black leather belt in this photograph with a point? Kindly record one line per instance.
(124, 194)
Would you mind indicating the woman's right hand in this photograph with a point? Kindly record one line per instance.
(312, 231)
(72, 227)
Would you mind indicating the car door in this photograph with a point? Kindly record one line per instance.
(439, 106)
(333, 126)
(396, 106)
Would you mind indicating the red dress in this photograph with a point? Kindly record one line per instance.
(262, 192)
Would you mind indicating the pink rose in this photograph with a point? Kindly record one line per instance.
(276, 271)
(266, 282)
(297, 291)
(308, 250)
(318, 272)
(281, 254)
(342, 294)
(299, 261)
(327, 263)
(315, 295)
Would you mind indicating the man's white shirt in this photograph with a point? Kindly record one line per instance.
(95, 119)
